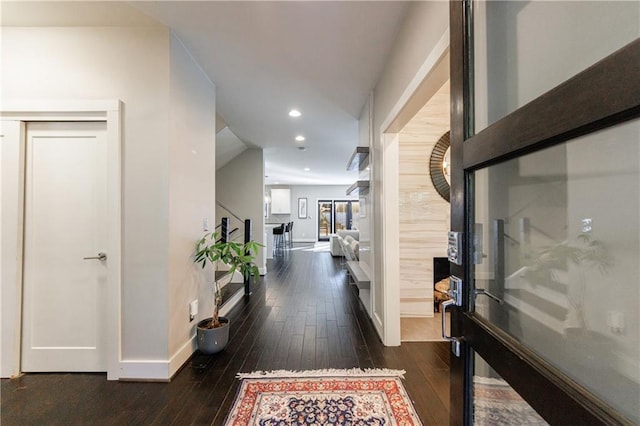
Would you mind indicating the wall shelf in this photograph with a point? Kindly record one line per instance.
(359, 159)
(357, 187)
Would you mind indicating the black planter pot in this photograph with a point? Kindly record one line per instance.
(212, 340)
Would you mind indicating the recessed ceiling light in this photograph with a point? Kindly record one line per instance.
(306, 169)
(300, 138)
(294, 113)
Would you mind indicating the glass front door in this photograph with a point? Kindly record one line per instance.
(546, 198)
(336, 215)
(325, 219)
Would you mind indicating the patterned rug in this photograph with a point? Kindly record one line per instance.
(496, 403)
(322, 397)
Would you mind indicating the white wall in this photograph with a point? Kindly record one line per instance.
(240, 188)
(425, 24)
(191, 192)
(132, 64)
(305, 230)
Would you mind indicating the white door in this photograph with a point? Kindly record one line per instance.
(64, 327)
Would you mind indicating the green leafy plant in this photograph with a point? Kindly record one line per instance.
(238, 256)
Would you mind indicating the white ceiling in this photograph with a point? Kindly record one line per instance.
(321, 57)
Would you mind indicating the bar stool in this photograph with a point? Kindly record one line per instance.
(278, 236)
(289, 231)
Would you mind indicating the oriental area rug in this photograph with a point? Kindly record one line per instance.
(322, 397)
(496, 403)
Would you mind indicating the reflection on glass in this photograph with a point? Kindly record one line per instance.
(341, 222)
(496, 403)
(355, 215)
(523, 49)
(557, 238)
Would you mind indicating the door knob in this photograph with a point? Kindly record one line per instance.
(101, 256)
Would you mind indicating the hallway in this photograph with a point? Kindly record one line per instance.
(302, 315)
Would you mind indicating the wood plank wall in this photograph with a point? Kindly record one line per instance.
(424, 214)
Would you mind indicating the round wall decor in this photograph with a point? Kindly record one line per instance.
(439, 166)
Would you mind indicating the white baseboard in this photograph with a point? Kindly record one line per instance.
(377, 323)
(181, 356)
(157, 370)
(263, 271)
(228, 306)
(305, 240)
(144, 370)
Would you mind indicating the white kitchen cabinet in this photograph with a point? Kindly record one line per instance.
(280, 201)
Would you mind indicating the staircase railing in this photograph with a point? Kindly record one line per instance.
(246, 235)
(235, 224)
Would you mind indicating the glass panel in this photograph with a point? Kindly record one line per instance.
(324, 220)
(340, 218)
(557, 240)
(523, 49)
(355, 215)
(496, 403)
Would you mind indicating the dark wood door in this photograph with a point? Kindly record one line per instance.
(545, 196)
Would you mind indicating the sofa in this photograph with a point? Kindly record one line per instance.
(345, 243)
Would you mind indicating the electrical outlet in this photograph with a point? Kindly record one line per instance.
(193, 310)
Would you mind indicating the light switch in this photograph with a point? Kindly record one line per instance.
(205, 224)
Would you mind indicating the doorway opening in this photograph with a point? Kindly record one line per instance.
(336, 215)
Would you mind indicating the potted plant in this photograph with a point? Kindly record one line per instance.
(213, 333)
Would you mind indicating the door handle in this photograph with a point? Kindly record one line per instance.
(101, 256)
(455, 341)
(480, 291)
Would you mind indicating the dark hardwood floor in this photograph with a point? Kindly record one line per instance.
(302, 315)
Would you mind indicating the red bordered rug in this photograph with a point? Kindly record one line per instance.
(323, 397)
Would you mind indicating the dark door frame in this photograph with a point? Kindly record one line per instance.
(601, 96)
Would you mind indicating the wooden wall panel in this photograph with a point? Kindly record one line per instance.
(424, 215)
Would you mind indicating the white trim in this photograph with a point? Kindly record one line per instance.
(439, 51)
(53, 108)
(263, 271)
(144, 370)
(231, 303)
(378, 324)
(109, 111)
(184, 353)
(389, 325)
(158, 370)
(391, 240)
(12, 171)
